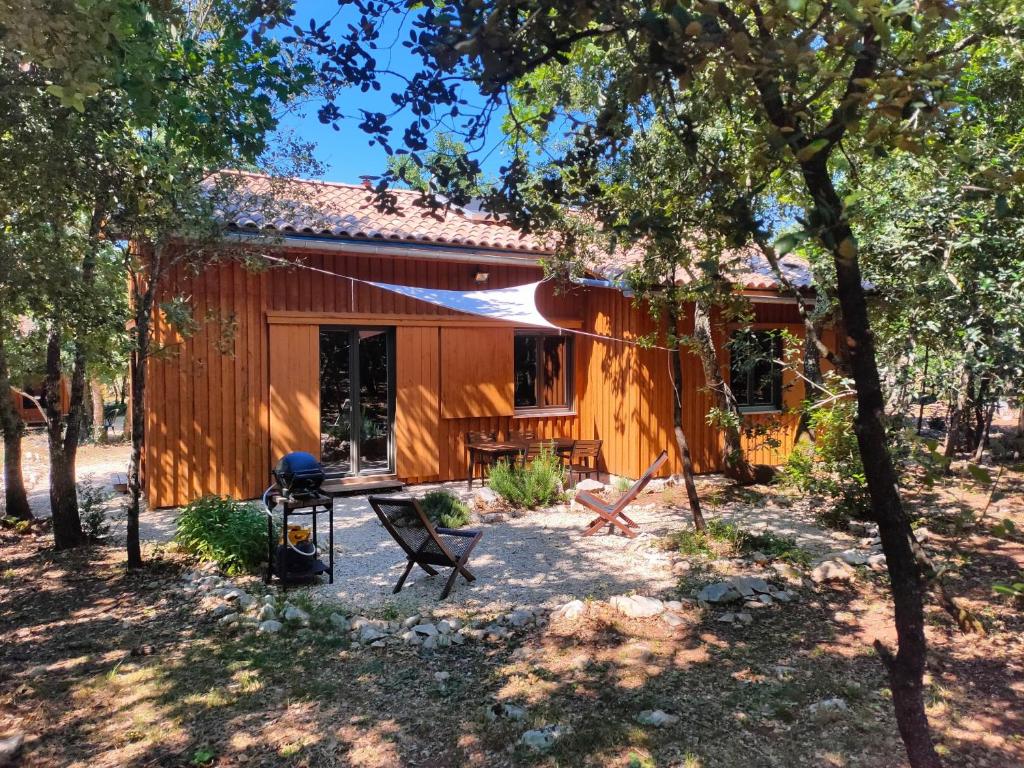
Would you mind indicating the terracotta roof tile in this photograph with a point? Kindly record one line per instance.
(349, 211)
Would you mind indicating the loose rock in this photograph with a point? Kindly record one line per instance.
(542, 739)
(853, 557)
(10, 746)
(270, 627)
(637, 606)
(571, 611)
(832, 570)
(501, 711)
(828, 709)
(656, 717)
(295, 615)
(719, 592)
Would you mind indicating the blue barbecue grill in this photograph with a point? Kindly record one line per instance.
(294, 558)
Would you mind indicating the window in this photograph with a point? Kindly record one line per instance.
(755, 376)
(543, 371)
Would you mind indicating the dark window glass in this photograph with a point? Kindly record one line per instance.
(543, 370)
(754, 374)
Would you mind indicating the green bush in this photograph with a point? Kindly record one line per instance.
(229, 533)
(92, 510)
(445, 509)
(831, 465)
(538, 484)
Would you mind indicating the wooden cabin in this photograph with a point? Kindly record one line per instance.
(382, 386)
(27, 409)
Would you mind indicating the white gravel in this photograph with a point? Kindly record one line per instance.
(538, 559)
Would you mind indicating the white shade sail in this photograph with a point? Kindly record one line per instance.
(517, 304)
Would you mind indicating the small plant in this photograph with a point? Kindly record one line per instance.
(92, 510)
(831, 465)
(445, 509)
(221, 530)
(777, 547)
(1015, 590)
(722, 539)
(622, 484)
(538, 484)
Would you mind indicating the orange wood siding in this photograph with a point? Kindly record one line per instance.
(207, 394)
(476, 372)
(219, 414)
(417, 402)
(294, 389)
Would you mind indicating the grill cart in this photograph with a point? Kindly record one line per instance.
(296, 492)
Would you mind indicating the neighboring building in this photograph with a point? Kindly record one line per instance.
(26, 408)
(384, 386)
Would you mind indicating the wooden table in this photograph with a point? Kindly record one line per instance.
(498, 449)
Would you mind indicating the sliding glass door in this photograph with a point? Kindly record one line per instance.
(357, 400)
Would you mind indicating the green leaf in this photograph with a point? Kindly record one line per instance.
(788, 242)
(980, 474)
(811, 150)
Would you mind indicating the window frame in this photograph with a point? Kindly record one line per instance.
(744, 396)
(569, 363)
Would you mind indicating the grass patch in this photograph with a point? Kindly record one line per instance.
(722, 539)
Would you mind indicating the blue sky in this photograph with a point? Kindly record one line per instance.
(346, 154)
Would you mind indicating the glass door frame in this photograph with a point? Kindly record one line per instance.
(355, 458)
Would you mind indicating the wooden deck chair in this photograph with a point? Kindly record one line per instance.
(614, 515)
(425, 545)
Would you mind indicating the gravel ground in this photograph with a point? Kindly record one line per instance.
(539, 559)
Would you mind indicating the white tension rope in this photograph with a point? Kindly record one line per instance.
(517, 304)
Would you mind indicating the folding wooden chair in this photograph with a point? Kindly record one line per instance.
(583, 460)
(614, 515)
(522, 434)
(425, 545)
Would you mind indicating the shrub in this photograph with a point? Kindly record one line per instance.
(221, 530)
(722, 539)
(537, 484)
(92, 510)
(445, 509)
(831, 465)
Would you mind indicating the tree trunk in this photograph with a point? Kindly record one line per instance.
(67, 526)
(734, 462)
(677, 424)
(99, 428)
(906, 668)
(956, 424)
(15, 496)
(143, 304)
(979, 450)
(980, 405)
(814, 385)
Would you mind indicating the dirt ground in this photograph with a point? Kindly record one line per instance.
(99, 667)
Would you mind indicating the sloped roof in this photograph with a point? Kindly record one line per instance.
(349, 211)
(300, 207)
